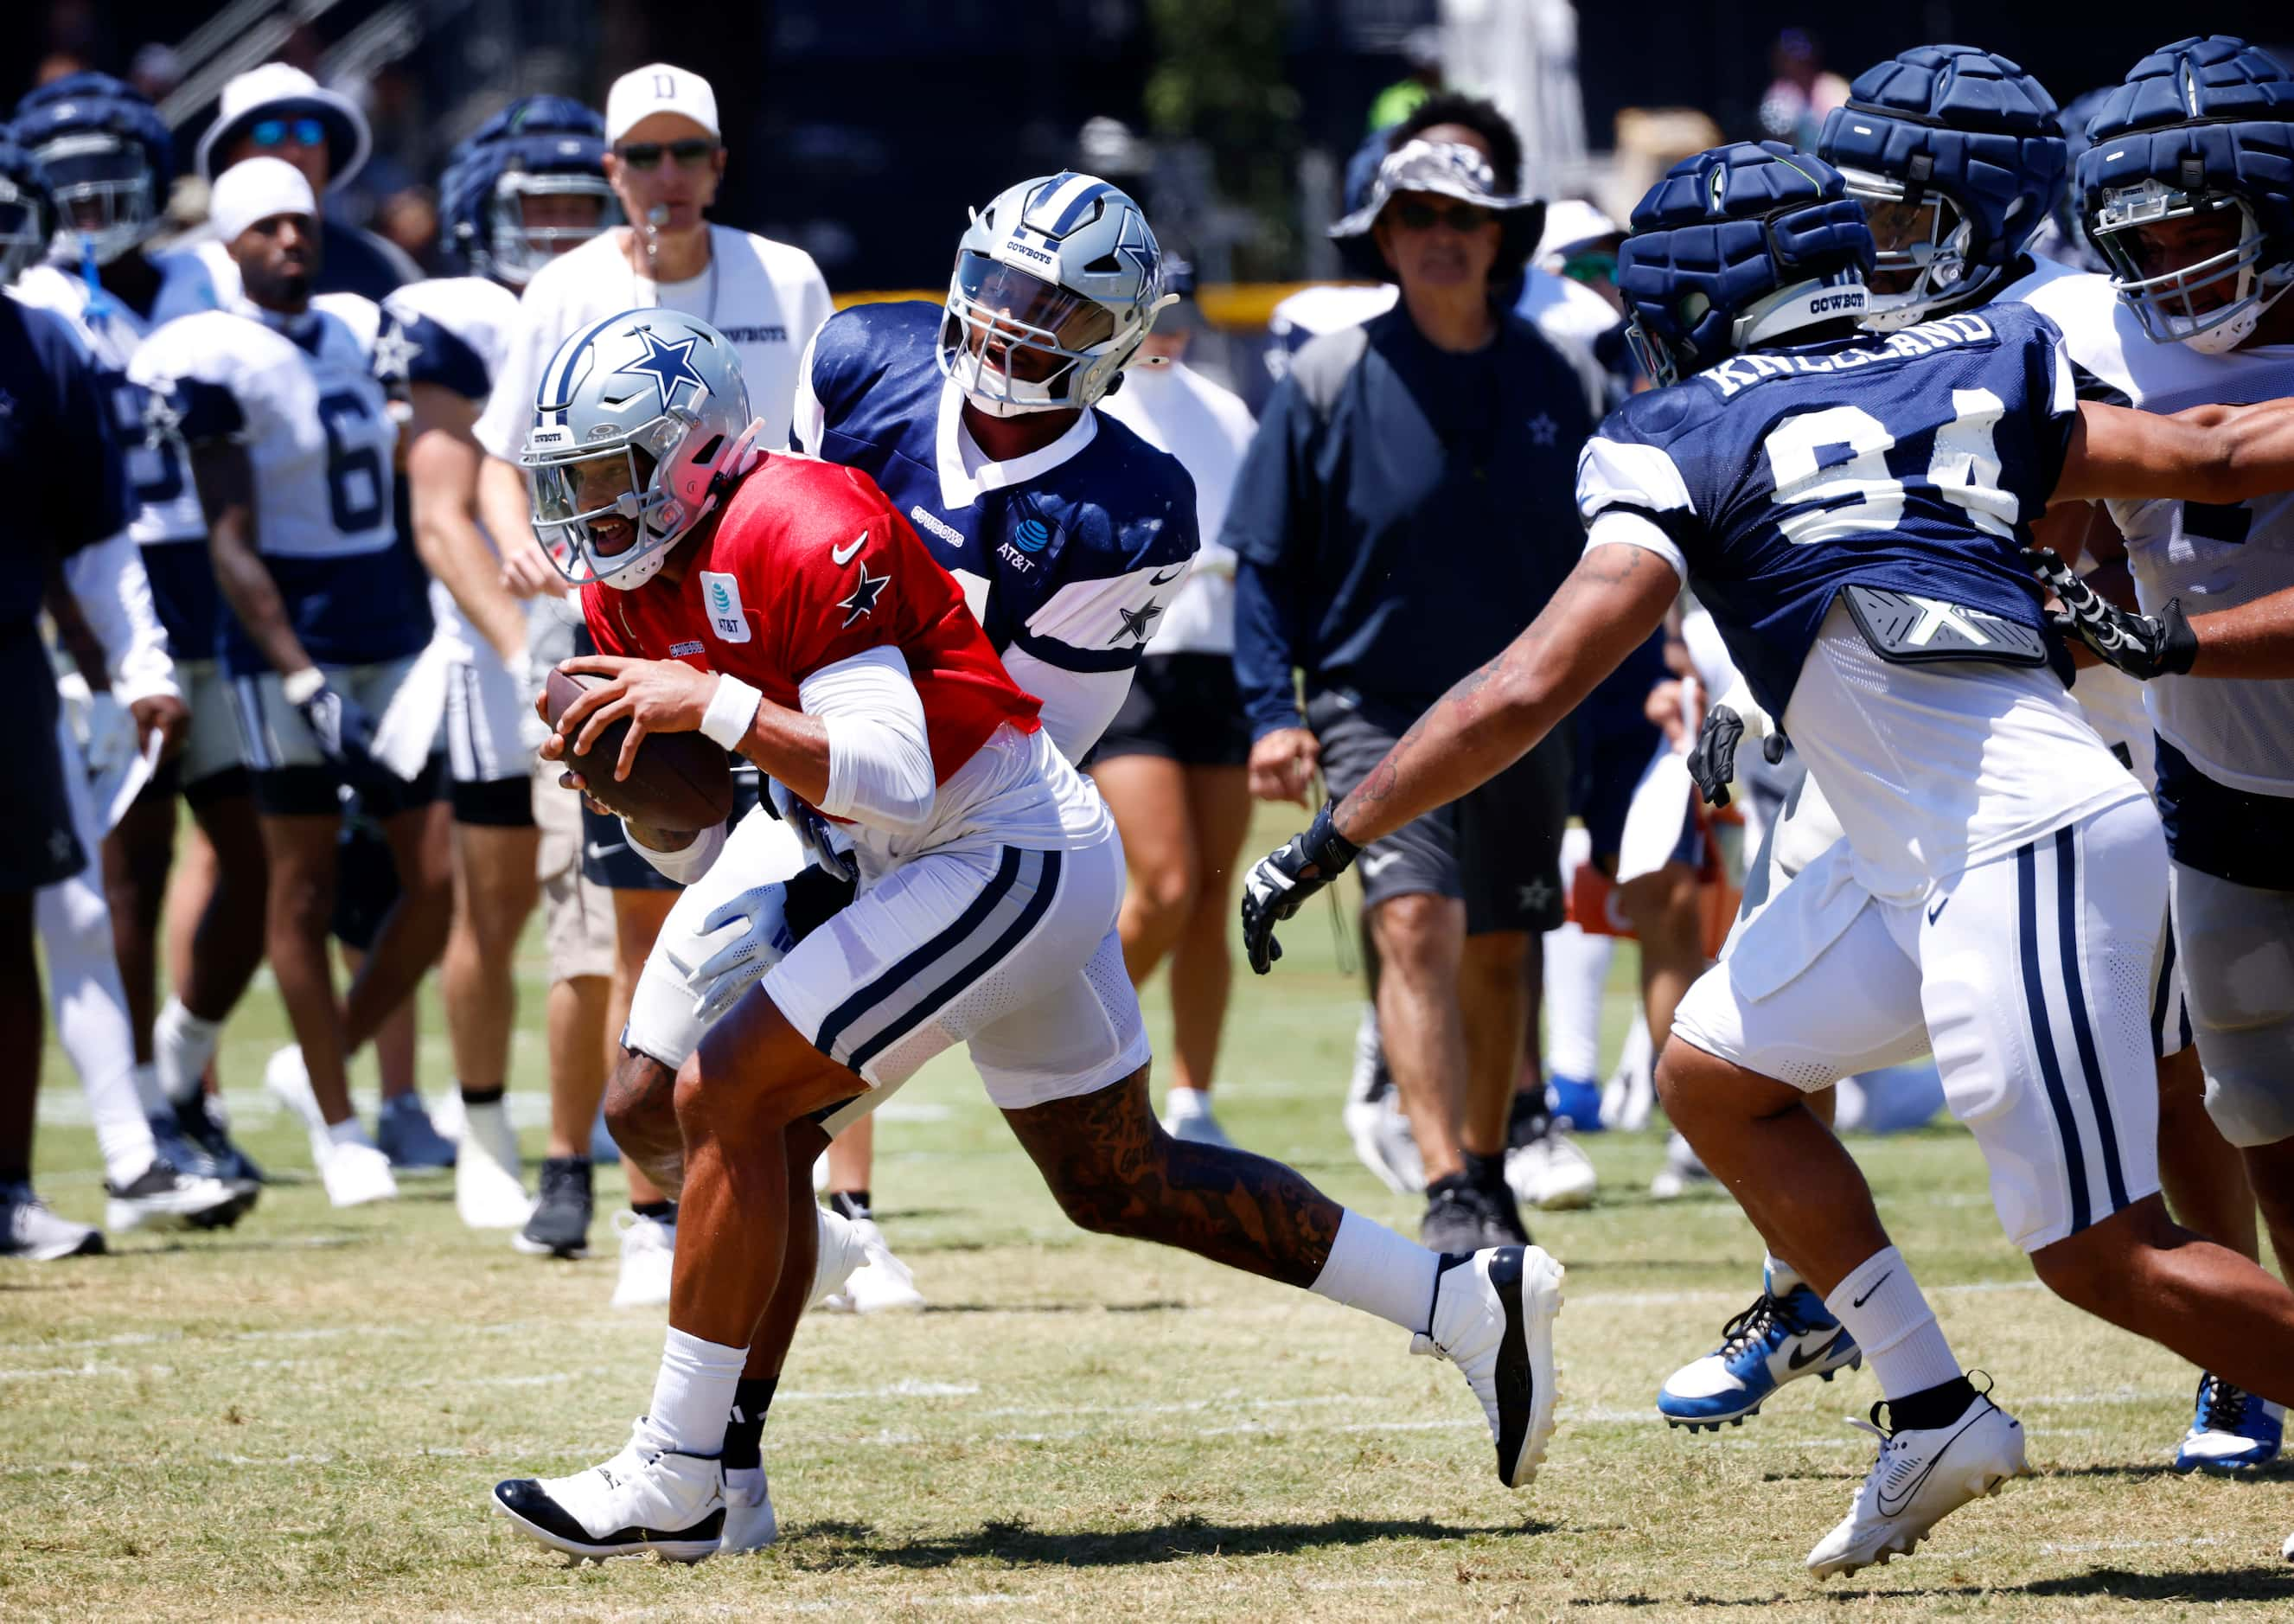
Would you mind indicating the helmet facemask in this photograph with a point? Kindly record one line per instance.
(515, 250)
(24, 229)
(2189, 304)
(587, 498)
(102, 187)
(1926, 263)
(1016, 342)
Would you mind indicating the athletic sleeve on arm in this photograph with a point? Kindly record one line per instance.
(114, 593)
(1631, 494)
(880, 766)
(1076, 704)
(1622, 527)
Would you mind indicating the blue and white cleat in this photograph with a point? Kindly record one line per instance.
(2231, 1430)
(1776, 1340)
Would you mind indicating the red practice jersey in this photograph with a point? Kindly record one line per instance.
(810, 565)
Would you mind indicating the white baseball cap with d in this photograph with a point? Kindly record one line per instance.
(660, 88)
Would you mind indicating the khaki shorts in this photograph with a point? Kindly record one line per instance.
(577, 916)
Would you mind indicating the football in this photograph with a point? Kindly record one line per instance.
(679, 782)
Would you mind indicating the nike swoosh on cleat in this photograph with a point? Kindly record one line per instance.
(1876, 1285)
(1975, 1414)
(1799, 1361)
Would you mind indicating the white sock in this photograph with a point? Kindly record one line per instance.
(1885, 1311)
(1577, 969)
(1781, 1279)
(350, 1131)
(745, 1486)
(693, 1395)
(182, 1046)
(487, 1126)
(1184, 1104)
(1372, 1269)
(89, 1006)
(840, 1253)
(148, 1093)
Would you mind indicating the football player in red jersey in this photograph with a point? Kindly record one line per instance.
(782, 609)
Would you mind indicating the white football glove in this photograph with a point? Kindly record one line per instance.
(764, 938)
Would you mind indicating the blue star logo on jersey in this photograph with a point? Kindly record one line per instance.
(162, 421)
(669, 365)
(1136, 623)
(864, 593)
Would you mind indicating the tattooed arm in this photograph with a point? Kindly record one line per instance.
(1615, 598)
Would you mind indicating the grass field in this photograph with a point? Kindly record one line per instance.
(301, 1417)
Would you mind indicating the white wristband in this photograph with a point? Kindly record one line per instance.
(299, 687)
(731, 709)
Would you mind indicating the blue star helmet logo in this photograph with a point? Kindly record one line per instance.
(669, 365)
(1136, 247)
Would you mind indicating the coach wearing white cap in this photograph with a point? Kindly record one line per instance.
(664, 159)
(278, 110)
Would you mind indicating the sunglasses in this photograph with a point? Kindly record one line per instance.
(1424, 217)
(289, 132)
(690, 153)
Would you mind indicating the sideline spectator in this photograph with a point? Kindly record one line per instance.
(1404, 510)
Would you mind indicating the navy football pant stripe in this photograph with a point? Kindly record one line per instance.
(1047, 886)
(2043, 1040)
(2075, 994)
(892, 980)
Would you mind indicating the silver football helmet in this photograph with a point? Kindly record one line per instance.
(640, 426)
(1055, 284)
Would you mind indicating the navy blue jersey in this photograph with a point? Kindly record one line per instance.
(1068, 555)
(57, 454)
(1914, 463)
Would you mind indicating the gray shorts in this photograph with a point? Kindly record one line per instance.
(1497, 848)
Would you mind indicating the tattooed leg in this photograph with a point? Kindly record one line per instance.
(1115, 1171)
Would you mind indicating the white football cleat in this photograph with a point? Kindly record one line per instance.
(2287, 1550)
(164, 1198)
(1552, 1173)
(648, 1253)
(354, 1171)
(28, 1229)
(750, 1524)
(1493, 1316)
(487, 1194)
(880, 1285)
(289, 1081)
(645, 1500)
(1920, 1477)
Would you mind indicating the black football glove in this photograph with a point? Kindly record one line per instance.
(344, 730)
(1280, 882)
(2143, 646)
(1712, 761)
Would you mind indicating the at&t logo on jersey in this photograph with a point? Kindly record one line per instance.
(720, 596)
(1032, 534)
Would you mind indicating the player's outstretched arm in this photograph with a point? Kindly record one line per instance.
(2208, 453)
(1610, 603)
(1615, 597)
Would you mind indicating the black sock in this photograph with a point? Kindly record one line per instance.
(1446, 1183)
(1528, 1121)
(1486, 1172)
(1932, 1407)
(659, 1211)
(481, 1097)
(848, 1204)
(744, 1434)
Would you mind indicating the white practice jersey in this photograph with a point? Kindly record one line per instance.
(767, 297)
(1176, 409)
(302, 397)
(2239, 734)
